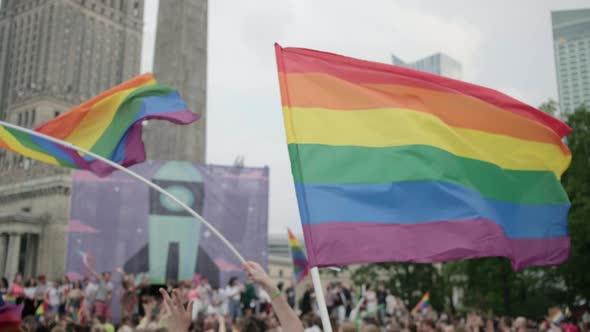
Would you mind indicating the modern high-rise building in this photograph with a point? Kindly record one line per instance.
(438, 64)
(571, 46)
(180, 60)
(53, 54)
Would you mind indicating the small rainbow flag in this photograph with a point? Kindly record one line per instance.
(87, 258)
(557, 316)
(109, 125)
(424, 303)
(10, 316)
(10, 298)
(79, 315)
(386, 158)
(300, 264)
(40, 310)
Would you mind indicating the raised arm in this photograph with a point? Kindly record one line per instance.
(287, 317)
(93, 272)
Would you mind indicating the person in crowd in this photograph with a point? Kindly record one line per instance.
(370, 298)
(381, 301)
(216, 303)
(16, 291)
(129, 296)
(51, 298)
(340, 302)
(144, 293)
(74, 301)
(29, 302)
(290, 292)
(347, 327)
(520, 324)
(390, 304)
(305, 303)
(90, 289)
(3, 287)
(205, 290)
(62, 292)
(248, 299)
(312, 323)
(103, 296)
(330, 297)
(233, 292)
(40, 291)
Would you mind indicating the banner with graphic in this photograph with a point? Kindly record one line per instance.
(119, 222)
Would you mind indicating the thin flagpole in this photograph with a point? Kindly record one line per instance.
(293, 279)
(319, 295)
(135, 175)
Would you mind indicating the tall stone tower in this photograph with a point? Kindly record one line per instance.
(180, 60)
(53, 54)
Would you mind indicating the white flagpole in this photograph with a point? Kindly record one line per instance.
(319, 295)
(133, 174)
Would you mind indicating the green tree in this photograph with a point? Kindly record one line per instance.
(492, 286)
(576, 182)
(549, 107)
(407, 280)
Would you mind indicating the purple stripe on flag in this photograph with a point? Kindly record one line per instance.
(339, 243)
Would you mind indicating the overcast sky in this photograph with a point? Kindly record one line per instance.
(502, 44)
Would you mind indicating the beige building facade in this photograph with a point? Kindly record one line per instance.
(53, 54)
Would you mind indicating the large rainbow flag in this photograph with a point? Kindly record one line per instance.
(392, 164)
(109, 125)
(300, 264)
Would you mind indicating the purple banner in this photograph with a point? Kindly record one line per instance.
(120, 222)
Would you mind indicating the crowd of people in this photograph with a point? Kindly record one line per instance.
(257, 305)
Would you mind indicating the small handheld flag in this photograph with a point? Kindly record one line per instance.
(300, 264)
(40, 310)
(109, 125)
(424, 303)
(557, 316)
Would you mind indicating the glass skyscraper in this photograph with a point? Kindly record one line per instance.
(439, 64)
(571, 45)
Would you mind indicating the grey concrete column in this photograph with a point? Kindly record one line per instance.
(12, 256)
(3, 252)
(31, 256)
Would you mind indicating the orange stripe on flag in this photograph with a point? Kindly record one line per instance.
(318, 90)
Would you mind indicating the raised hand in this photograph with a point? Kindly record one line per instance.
(176, 317)
(257, 274)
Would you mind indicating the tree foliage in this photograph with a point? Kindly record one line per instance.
(549, 107)
(576, 181)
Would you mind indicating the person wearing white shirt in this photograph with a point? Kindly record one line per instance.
(232, 292)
